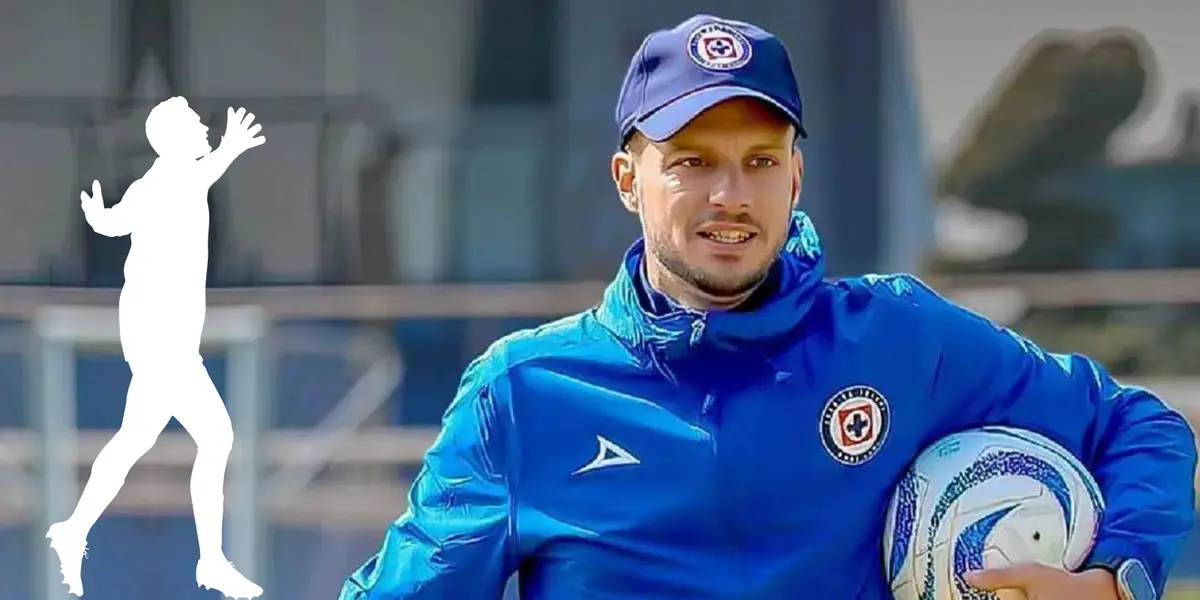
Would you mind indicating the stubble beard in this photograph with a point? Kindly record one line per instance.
(704, 281)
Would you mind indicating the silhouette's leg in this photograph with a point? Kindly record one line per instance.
(146, 414)
(145, 417)
(204, 416)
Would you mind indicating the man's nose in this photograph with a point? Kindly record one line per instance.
(730, 191)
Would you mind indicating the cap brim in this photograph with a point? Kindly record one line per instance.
(665, 122)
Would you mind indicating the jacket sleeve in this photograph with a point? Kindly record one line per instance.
(1141, 452)
(454, 541)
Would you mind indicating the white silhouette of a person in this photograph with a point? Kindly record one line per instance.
(161, 313)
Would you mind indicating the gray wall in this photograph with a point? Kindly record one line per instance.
(411, 55)
(532, 178)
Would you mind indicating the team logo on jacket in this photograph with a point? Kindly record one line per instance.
(854, 424)
(718, 47)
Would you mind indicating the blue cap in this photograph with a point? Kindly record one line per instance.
(679, 73)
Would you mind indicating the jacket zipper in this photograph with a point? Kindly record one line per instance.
(710, 424)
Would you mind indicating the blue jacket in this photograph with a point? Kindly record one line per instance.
(638, 450)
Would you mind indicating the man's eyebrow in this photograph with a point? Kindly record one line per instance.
(682, 146)
(771, 146)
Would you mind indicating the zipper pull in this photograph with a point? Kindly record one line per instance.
(697, 331)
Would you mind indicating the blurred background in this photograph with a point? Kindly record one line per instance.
(437, 176)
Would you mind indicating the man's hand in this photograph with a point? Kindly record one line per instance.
(1040, 582)
(241, 134)
(94, 202)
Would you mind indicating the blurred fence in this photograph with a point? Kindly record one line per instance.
(335, 394)
(350, 387)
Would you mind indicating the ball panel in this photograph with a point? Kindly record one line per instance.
(902, 523)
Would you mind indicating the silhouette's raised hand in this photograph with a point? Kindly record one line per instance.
(240, 130)
(93, 202)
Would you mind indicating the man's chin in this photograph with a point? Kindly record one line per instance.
(728, 285)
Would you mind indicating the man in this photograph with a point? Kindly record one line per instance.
(161, 315)
(674, 441)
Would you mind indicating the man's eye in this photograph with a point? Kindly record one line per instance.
(763, 162)
(691, 162)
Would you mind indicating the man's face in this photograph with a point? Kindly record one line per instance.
(192, 135)
(715, 201)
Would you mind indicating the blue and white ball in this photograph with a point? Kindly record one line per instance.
(987, 498)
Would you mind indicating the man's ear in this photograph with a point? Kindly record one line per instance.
(624, 178)
(797, 176)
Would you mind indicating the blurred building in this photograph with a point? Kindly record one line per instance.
(410, 144)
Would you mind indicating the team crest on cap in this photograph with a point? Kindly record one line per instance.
(718, 47)
(854, 424)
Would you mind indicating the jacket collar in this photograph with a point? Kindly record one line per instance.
(672, 331)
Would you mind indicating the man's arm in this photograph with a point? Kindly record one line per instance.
(120, 220)
(455, 540)
(1142, 453)
(214, 165)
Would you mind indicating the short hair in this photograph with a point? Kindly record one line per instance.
(635, 143)
(159, 124)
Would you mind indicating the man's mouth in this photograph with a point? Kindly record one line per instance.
(730, 237)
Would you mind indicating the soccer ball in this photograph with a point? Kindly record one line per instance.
(987, 498)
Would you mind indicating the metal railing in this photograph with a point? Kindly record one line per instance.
(287, 489)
